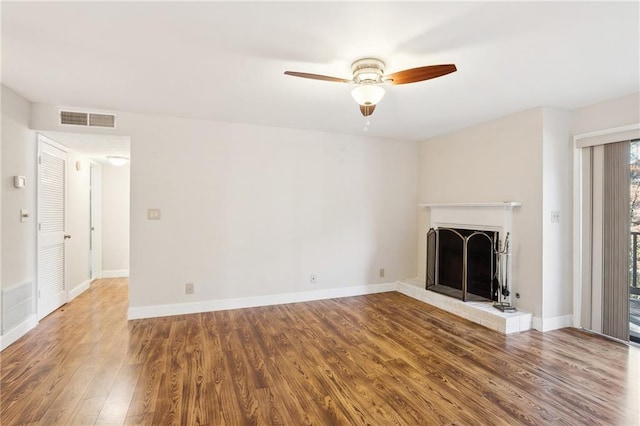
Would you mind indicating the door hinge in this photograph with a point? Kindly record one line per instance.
(39, 226)
(39, 159)
(39, 294)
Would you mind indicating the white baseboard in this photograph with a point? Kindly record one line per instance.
(79, 289)
(139, 312)
(554, 323)
(18, 331)
(115, 273)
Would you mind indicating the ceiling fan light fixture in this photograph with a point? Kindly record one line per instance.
(367, 70)
(369, 75)
(367, 94)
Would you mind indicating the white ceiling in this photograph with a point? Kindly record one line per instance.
(225, 61)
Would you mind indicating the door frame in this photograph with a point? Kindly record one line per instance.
(582, 258)
(95, 218)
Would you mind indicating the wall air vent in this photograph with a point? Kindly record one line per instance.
(89, 119)
(74, 118)
(102, 120)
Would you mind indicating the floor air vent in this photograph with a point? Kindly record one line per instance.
(88, 119)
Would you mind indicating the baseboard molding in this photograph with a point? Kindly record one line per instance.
(554, 323)
(18, 331)
(78, 290)
(140, 312)
(115, 273)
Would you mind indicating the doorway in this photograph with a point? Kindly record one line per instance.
(87, 178)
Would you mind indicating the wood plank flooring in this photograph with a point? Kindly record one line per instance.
(382, 359)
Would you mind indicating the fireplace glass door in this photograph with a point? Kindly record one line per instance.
(461, 263)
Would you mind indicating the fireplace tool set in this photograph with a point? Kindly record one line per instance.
(501, 277)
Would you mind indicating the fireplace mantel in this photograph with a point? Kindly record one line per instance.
(506, 204)
(496, 216)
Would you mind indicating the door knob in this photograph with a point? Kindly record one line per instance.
(67, 236)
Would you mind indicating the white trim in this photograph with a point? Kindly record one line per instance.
(115, 273)
(480, 216)
(478, 312)
(95, 237)
(139, 312)
(51, 142)
(597, 239)
(612, 135)
(577, 236)
(18, 331)
(554, 323)
(78, 290)
(473, 205)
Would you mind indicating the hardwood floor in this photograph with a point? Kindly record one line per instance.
(382, 359)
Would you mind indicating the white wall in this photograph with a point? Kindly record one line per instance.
(18, 158)
(609, 114)
(252, 211)
(78, 227)
(557, 242)
(19, 154)
(249, 211)
(500, 160)
(115, 220)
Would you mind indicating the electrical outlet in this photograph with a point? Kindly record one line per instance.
(555, 216)
(188, 288)
(381, 273)
(312, 280)
(153, 214)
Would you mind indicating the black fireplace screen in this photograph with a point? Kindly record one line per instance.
(462, 263)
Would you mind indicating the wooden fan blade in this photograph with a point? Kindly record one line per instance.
(419, 74)
(367, 110)
(317, 77)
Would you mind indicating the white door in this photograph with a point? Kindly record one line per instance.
(52, 168)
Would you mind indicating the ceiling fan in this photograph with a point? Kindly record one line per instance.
(368, 75)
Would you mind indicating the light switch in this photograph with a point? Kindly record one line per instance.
(555, 216)
(24, 215)
(153, 214)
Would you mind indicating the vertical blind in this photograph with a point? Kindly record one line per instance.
(615, 235)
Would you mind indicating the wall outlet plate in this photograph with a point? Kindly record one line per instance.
(153, 214)
(188, 288)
